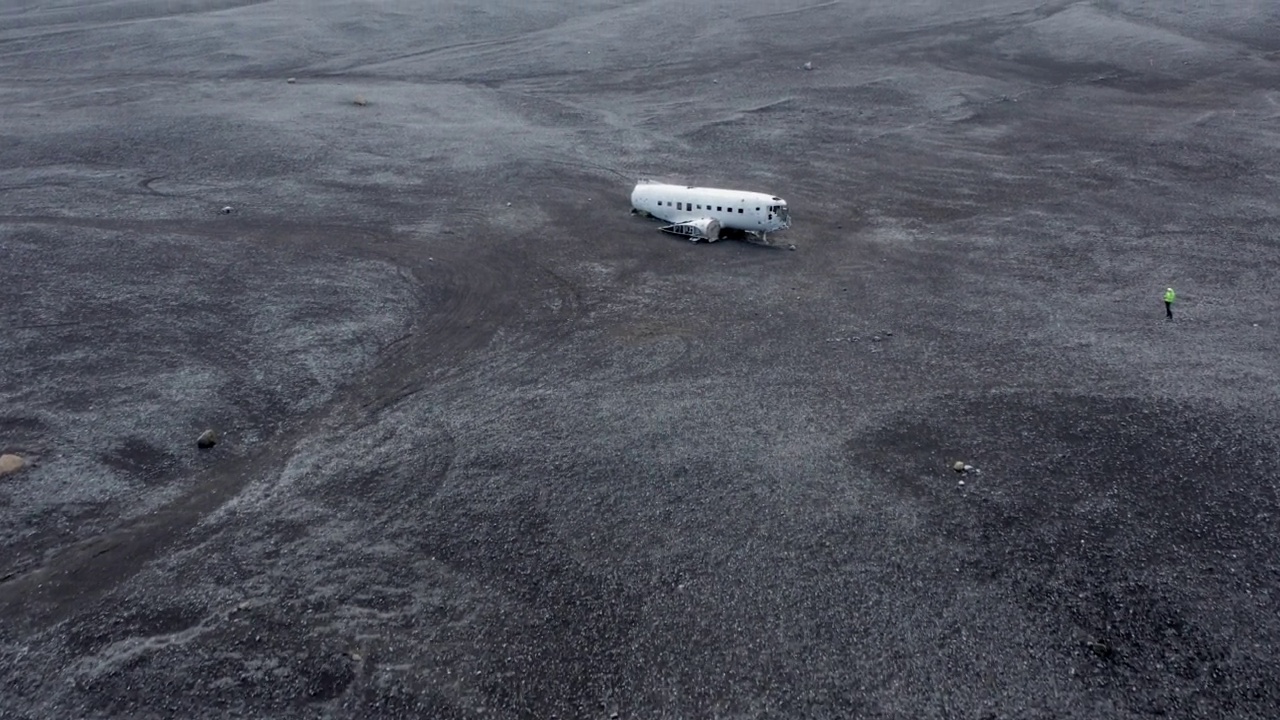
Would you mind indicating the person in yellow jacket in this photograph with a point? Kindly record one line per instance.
(1169, 297)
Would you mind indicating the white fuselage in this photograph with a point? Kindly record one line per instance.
(736, 209)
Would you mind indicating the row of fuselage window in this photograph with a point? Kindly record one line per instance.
(689, 206)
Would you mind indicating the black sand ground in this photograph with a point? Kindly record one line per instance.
(495, 448)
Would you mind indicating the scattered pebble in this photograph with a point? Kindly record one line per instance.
(361, 101)
(226, 210)
(292, 80)
(958, 466)
(961, 483)
(207, 439)
(807, 66)
(791, 247)
(10, 463)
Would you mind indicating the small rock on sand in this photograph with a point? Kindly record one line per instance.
(207, 439)
(10, 463)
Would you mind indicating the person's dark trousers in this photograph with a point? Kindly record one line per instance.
(1168, 310)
